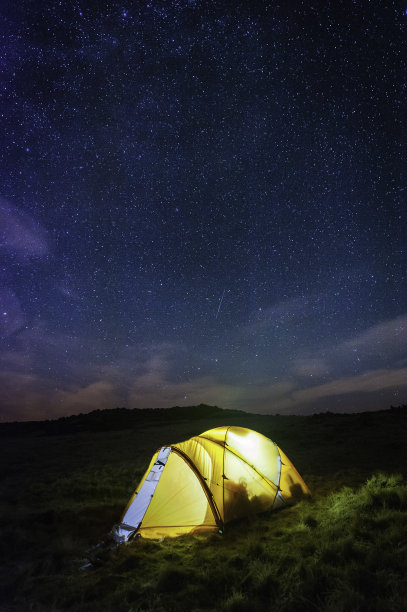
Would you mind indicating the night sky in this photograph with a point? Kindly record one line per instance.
(202, 201)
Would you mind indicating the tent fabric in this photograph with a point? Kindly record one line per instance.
(202, 483)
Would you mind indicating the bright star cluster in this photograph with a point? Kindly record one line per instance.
(202, 202)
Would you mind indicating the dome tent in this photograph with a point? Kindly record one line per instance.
(201, 484)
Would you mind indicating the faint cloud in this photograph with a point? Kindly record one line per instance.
(99, 394)
(310, 366)
(31, 397)
(383, 344)
(369, 382)
(284, 313)
(38, 339)
(279, 314)
(139, 361)
(20, 234)
(154, 388)
(11, 314)
(148, 376)
(385, 339)
(19, 395)
(68, 291)
(35, 348)
(51, 393)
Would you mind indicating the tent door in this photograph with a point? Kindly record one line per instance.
(137, 509)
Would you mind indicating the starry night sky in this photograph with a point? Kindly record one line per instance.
(202, 201)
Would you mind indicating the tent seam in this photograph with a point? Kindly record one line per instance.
(239, 456)
(207, 491)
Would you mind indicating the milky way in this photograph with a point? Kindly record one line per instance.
(202, 202)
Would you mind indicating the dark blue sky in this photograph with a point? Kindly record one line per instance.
(202, 202)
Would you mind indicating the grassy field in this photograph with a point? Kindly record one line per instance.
(64, 485)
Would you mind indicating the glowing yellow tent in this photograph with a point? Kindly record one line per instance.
(202, 483)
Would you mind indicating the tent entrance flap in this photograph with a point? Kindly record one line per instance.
(138, 507)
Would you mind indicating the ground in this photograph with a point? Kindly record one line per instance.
(64, 484)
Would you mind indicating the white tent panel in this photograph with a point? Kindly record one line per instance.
(137, 509)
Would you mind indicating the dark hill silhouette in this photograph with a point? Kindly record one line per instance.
(114, 419)
(111, 419)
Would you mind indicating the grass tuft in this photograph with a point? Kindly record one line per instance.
(237, 602)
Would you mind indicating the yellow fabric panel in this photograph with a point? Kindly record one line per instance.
(179, 501)
(217, 434)
(292, 486)
(258, 450)
(215, 485)
(173, 532)
(203, 460)
(245, 491)
(146, 473)
(207, 457)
